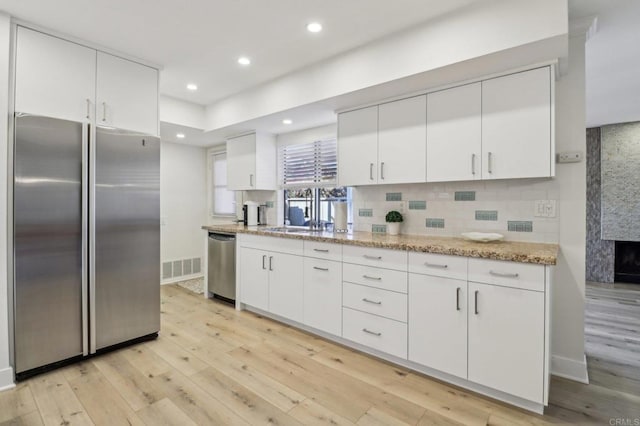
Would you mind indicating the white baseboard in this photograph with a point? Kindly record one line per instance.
(6, 379)
(570, 368)
(183, 278)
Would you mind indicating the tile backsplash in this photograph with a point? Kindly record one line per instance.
(448, 209)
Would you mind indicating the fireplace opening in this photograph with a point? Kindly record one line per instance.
(627, 262)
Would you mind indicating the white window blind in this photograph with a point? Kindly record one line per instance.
(308, 165)
(223, 200)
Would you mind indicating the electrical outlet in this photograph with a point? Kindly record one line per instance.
(544, 208)
(570, 157)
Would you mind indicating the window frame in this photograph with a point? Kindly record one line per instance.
(211, 186)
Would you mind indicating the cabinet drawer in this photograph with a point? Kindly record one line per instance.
(438, 265)
(379, 333)
(388, 304)
(274, 244)
(323, 250)
(381, 258)
(507, 274)
(385, 279)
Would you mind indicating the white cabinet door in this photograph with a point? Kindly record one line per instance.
(438, 323)
(323, 295)
(241, 162)
(126, 95)
(286, 286)
(402, 141)
(54, 77)
(358, 147)
(516, 125)
(454, 131)
(254, 278)
(506, 340)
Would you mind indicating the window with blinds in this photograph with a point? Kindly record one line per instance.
(308, 165)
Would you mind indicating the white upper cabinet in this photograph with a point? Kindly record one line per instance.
(402, 140)
(251, 162)
(126, 95)
(454, 144)
(358, 147)
(516, 125)
(54, 77)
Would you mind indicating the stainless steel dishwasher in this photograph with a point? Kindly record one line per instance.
(222, 266)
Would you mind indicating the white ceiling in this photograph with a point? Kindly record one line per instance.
(199, 41)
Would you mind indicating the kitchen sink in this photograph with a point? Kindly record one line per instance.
(289, 230)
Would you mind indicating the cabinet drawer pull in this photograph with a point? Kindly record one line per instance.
(475, 302)
(458, 299)
(366, 256)
(371, 171)
(367, 277)
(503, 274)
(435, 265)
(364, 299)
(473, 164)
(104, 111)
(372, 332)
(264, 259)
(270, 263)
(321, 250)
(251, 180)
(489, 162)
(382, 170)
(317, 268)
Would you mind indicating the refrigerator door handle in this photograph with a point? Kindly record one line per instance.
(86, 137)
(92, 239)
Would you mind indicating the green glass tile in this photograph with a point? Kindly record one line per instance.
(417, 205)
(520, 226)
(465, 196)
(434, 223)
(378, 229)
(394, 196)
(365, 212)
(486, 215)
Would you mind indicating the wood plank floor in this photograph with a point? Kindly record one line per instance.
(212, 365)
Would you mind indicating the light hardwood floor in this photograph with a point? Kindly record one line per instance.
(213, 365)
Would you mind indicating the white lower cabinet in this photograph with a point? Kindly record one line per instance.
(254, 277)
(507, 340)
(285, 285)
(376, 332)
(323, 295)
(272, 282)
(438, 323)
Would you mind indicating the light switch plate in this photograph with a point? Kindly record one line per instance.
(544, 208)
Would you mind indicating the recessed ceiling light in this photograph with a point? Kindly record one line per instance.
(243, 60)
(287, 121)
(180, 135)
(192, 87)
(314, 27)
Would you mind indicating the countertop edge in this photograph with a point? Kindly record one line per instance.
(480, 250)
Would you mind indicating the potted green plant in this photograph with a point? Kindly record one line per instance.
(393, 219)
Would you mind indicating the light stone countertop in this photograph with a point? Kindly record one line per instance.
(514, 251)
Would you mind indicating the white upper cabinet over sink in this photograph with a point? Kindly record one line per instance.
(126, 93)
(516, 125)
(454, 134)
(402, 140)
(358, 147)
(54, 78)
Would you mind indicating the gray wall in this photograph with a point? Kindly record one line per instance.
(600, 253)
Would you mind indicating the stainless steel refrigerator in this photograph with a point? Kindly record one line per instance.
(86, 240)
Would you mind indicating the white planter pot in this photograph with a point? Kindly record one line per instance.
(393, 228)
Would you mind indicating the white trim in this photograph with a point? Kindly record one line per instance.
(6, 379)
(457, 381)
(182, 278)
(570, 368)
